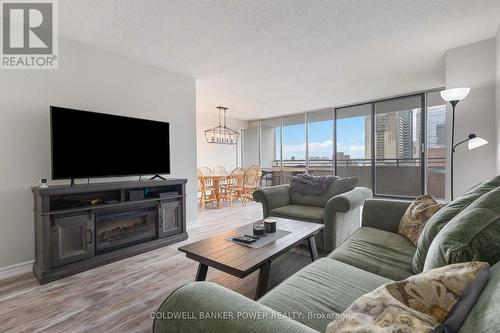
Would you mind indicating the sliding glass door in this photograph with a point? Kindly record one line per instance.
(320, 145)
(294, 146)
(353, 143)
(436, 145)
(398, 147)
(381, 143)
(395, 146)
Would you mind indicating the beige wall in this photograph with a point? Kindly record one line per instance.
(90, 79)
(473, 66)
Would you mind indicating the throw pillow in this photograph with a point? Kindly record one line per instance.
(474, 234)
(416, 216)
(421, 303)
(443, 216)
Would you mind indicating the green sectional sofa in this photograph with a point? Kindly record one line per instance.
(339, 209)
(374, 255)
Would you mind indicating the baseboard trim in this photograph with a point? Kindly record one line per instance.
(16, 269)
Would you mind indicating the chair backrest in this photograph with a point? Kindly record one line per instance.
(205, 171)
(203, 183)
(219, 170)
(237, 177)
(252, 176)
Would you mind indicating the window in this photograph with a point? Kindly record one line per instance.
(397, 146)
(380, 142)
(271, 143)
(353, 144)
(294, 146)
(436, 145)
(320, 145)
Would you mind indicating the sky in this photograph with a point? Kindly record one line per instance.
(351, 139)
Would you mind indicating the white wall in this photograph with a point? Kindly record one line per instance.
(473, 66)
(250, 147)
(210, 154)
(498, 98)
(89, 79)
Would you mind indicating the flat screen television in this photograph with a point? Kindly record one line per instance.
(92, 145)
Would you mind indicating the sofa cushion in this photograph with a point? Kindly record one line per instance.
(377, 251)
(421, 303)
(484, 317)
(474, 234)
(339, 186)
(417, 215)
(325, 288)
(443, 216)
(300, 212)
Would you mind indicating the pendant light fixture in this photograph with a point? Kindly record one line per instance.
(222, 134)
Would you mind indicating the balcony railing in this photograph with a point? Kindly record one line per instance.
(432, 162)
(394, 176)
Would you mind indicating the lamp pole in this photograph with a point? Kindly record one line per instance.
(453, 105)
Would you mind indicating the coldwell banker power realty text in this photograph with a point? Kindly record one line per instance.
(29, 34)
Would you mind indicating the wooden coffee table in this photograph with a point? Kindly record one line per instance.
(240, 260)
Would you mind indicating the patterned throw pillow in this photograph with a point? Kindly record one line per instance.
(421, 303)
(416, 216)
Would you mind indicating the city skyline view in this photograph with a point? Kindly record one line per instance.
(351, 133)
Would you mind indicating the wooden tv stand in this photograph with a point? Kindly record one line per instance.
(84, 226)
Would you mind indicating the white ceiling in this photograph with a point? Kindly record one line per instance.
(268, 57)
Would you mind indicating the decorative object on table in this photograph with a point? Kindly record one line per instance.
(43, 183)
(417, 215)
(438, 299)
(259, 228)
(270, 225)
(453, 96)
(222, 134)
(311, 185)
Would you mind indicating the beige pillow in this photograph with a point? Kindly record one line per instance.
(416, 216)
(420, 303)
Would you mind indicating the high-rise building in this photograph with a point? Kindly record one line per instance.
(436, 126)
(393, 135)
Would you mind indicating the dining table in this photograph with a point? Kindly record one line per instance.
(217, 181)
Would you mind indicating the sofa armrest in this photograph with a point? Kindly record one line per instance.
(344, 202)
(383, 214)
(342, 216)
(272, 197)
(188, 309)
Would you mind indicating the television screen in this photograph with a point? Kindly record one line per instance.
(90, 145)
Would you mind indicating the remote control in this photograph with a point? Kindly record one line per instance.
(244, 239)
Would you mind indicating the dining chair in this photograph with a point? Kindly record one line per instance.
(219, 170)
(251, 182)
(206, 171)
(205, 189)
(233, 189)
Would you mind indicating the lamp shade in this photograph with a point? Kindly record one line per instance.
(476, 142)
(455, 94)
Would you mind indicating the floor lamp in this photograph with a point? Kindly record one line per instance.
(453, 96)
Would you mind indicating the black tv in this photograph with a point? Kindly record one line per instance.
(93, 145)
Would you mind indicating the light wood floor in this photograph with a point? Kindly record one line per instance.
(120, 296)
